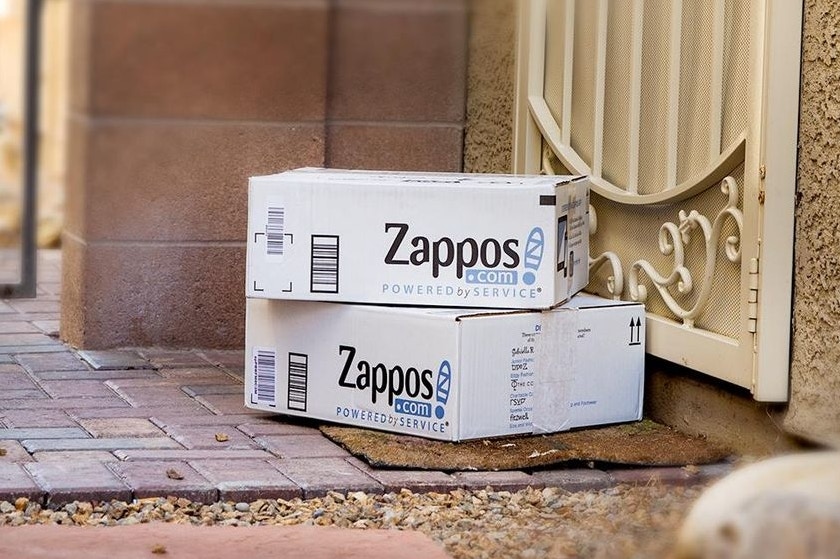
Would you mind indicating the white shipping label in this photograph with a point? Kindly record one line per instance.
(264, 369)
(275, 230)
(297, 384)
(523, 370)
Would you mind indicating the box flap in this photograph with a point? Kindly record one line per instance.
(484, 180)
(588, 301)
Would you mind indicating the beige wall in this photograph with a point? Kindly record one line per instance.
(11, 116)
(53, 116)
(11, 71)
(815, 372)
(54, 106)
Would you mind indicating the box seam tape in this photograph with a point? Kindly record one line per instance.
(552, 387)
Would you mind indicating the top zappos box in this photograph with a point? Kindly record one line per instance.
(440, 239)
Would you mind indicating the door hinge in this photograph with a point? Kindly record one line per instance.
(752, 300)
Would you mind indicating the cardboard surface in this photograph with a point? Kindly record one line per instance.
(466, 240)
(447, 374)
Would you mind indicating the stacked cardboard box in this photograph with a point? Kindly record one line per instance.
(468, 270)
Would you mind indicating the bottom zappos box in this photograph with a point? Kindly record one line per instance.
(450, 374)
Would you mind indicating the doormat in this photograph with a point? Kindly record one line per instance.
(644, 443)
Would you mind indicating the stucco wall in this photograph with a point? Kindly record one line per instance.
(815, 373)
(488, 142)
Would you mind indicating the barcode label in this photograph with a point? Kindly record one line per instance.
(298, 380)
(324, 265)
(275, 231)
(265, 375)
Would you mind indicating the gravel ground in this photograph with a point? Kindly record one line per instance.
(620, 522)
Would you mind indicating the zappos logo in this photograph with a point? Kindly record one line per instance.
(384, 381)
(440, 254)
(444, 382)
(479, 261)
(531, 259)
(424, 409)
(534, 248)
(409, 390)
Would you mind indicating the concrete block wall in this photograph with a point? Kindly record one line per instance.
(397, 84)
(175, 103)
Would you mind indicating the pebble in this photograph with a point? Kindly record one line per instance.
(618, 522)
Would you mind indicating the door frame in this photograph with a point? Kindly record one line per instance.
(779, 25)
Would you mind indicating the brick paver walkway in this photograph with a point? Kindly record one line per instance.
(96, 425)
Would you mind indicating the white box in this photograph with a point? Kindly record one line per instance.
(450, 374)
(440, 239)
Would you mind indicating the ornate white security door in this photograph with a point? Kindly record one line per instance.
(684, 113)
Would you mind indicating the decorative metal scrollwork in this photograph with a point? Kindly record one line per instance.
(672, 240)
(615, 281)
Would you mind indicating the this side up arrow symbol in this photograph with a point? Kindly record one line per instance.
(635, 331)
